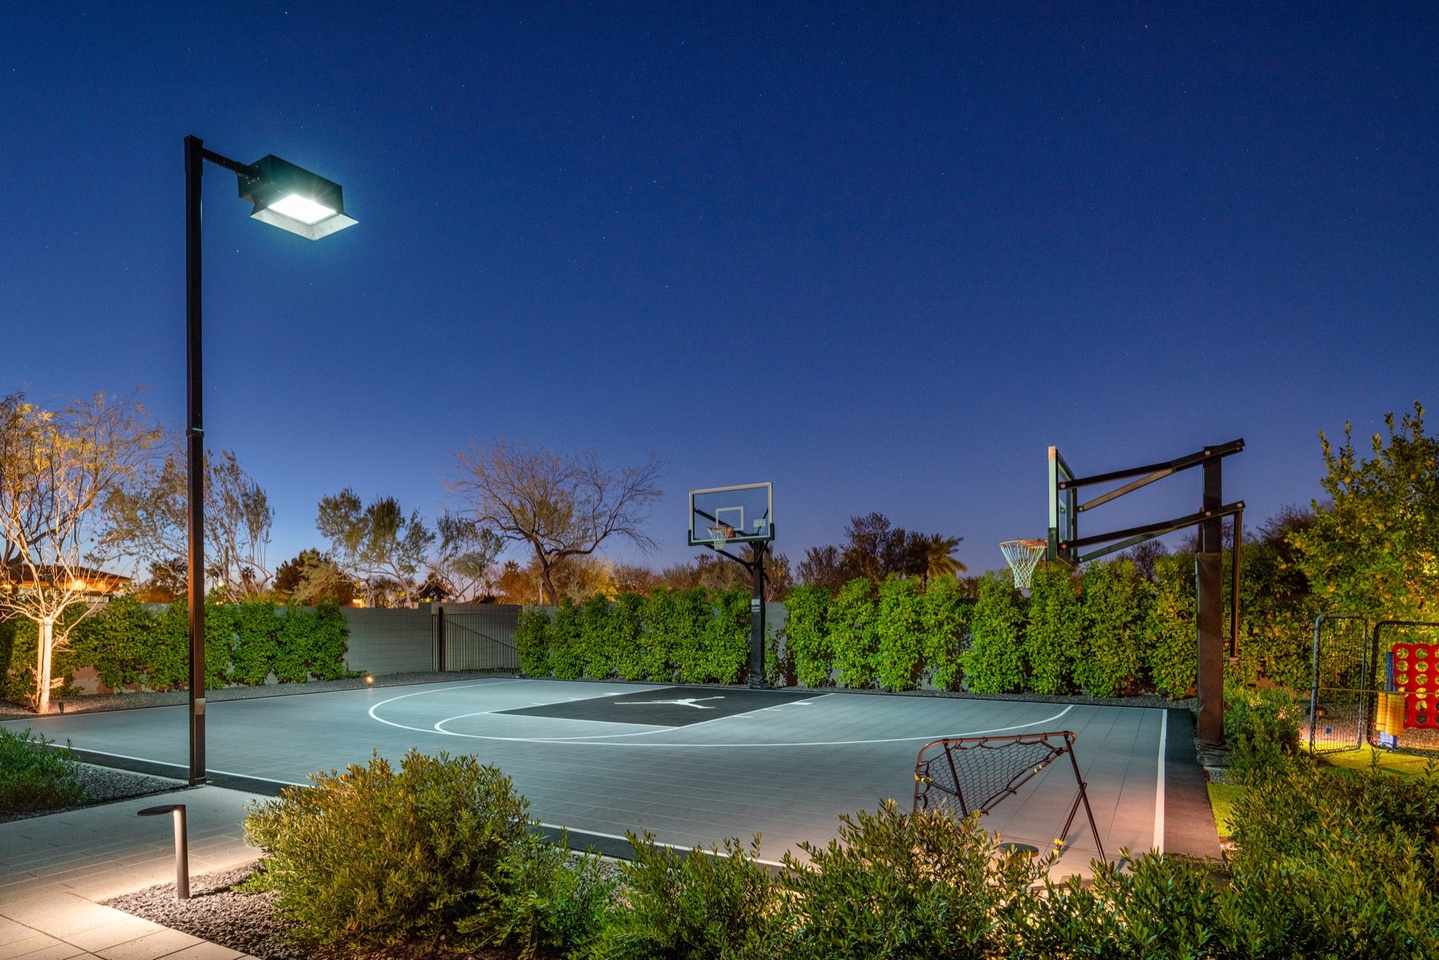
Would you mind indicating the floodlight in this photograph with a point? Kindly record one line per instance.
(292, 198)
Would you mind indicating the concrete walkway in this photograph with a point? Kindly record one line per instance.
(55, 870)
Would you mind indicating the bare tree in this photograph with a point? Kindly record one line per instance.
(561, 506)
(57, 470)
(151, 522)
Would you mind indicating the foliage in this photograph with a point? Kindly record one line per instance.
(897, 885)
(993, 662)
(129, 644)
(807, 634)
(852, 621)
(310, 577)
(558, 506)
(378, 546)
(566, 636)
(1335, 864)
(1052, 632)
(695, 905)
(1374, 548)
(1262, 730)
(532, 641)
(944, 616)
(597, 640)
(371, 855)
(1150, 907)
(874, 550)
(626, 637)
(150, 520)
(34, 776)
(900, 630)
(1173, 643)
(1112, 652)
(546, 900)
(58, 470)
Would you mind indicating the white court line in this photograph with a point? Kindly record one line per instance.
(1159, 783)
(602, 740)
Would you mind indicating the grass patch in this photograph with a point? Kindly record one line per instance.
(1222, 797)
(1367, 758)
(35, 778)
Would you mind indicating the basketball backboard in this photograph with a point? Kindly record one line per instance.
(1063, 510)
(722, 515)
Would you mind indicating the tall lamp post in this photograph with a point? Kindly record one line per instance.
(292, 199)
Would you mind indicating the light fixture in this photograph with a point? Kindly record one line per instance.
(292, 198)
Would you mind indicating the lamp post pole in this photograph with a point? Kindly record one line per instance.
(295, 200)
(195, 456)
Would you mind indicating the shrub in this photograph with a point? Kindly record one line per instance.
(1332, 863)
(944, 615)
(697, 906)
(627, 638)
(1173, 659)
(725, 644)
(1262, 729)
(597, 641)
(547, 900)
(370, 855)
(566, 639)
(900, 632)
(34, 777)
(897, 885)
(1052, 630)
(807, 635)
(532, 641)
(994, 662)
(1111, 656)
(852, 634)
(1151, 907)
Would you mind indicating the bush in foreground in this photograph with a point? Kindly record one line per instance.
(34, 777)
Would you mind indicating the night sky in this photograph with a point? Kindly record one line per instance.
(882, 255)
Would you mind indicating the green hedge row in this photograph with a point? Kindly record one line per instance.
(1103, 630)
(133, 644)
(684, 636)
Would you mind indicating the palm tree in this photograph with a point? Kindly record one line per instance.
(938, 552)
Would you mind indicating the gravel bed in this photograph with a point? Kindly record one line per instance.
(106, 785)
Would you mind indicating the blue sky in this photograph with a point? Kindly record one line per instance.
(882, 255)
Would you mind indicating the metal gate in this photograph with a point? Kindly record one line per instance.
(480, 638)
(1378, 687)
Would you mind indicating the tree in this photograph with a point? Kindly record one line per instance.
(875, 549)
(1374, 548)
(560, 506)
(377, 545)
(310, 577)
(150, 521)
(57, 471)
(462, 561)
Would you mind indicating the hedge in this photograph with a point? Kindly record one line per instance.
(132, 644)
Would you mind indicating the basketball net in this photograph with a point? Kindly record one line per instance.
(720, 535)
(1022, 556)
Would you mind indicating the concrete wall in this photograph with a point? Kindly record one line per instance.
(390, 641)
(479, 636)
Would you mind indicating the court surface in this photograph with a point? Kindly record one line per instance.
(691, 765)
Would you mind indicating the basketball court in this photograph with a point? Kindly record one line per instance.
(692, 765)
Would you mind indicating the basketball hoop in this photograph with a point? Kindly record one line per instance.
(1022, 555)
(720, 534)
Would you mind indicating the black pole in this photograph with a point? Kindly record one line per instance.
(1209, 574)
(756, 619)
(195, 456)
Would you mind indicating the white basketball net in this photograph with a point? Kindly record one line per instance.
(720, 535)
(1022, 556)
